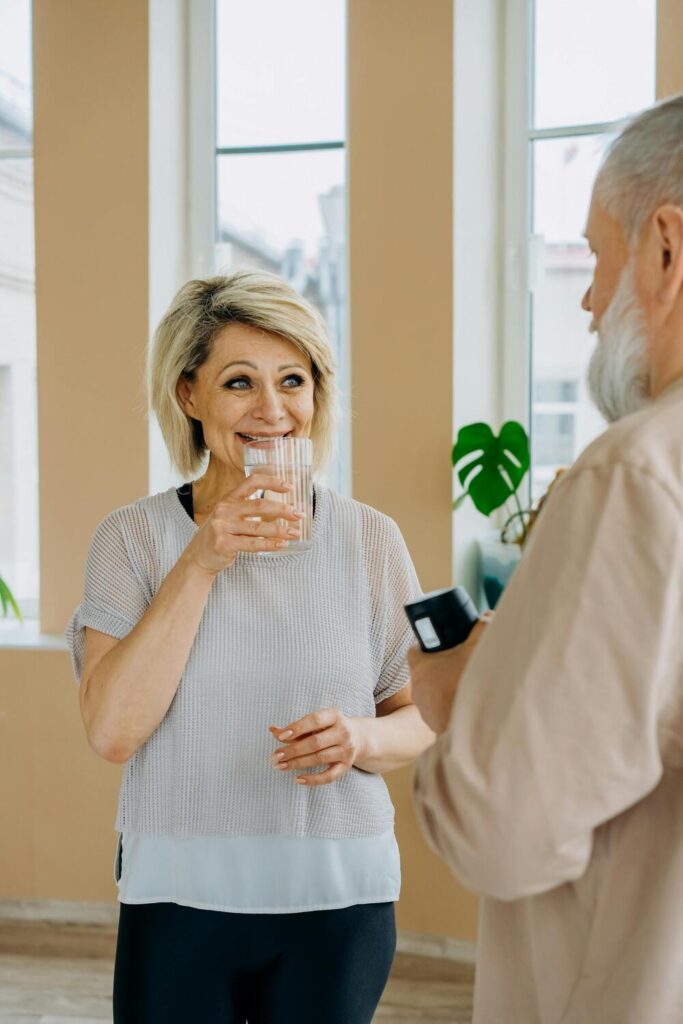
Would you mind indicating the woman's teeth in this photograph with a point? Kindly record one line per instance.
(263, 437)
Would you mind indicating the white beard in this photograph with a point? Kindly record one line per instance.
(618, 379)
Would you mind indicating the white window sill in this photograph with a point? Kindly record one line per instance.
(26, 635)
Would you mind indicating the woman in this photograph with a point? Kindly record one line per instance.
(255, 701)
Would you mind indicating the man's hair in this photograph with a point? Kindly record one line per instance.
(643, 168)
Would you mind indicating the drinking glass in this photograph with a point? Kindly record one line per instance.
(290, 459)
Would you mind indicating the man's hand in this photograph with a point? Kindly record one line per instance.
(325, 738)
(436, 677)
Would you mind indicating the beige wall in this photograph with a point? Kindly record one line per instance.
(57, 800)
(669, 54)
(401, 266)
(90, 60)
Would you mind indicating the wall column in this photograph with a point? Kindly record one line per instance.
(91, 196)
(401, 288)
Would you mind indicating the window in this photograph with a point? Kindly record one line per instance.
(18, 396)
(562, 121)
(554, 426)
(280, 172)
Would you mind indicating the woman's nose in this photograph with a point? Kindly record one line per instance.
(586, 300)
(270, 406)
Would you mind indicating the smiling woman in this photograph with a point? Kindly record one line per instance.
(214, 323)
(253, 385)
(255, 701)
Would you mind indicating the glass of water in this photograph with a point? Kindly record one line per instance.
(290, 459)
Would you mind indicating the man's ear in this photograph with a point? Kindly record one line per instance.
(183, 390)
(668, 225)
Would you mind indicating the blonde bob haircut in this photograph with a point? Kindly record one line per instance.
(183, 342)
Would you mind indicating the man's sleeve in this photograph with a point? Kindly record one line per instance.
(554, 727)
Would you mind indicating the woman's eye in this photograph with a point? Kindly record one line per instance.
(294, 380)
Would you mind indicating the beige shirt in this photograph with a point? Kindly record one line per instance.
(557, 791)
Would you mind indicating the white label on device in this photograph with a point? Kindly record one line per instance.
(427, 633)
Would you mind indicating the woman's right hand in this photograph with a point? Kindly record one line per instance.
(230, 528)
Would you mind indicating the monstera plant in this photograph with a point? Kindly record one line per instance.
(8, 601)
(491, 469)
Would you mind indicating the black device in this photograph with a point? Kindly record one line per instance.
(442, 618)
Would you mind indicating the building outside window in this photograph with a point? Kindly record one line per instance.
(18, 395)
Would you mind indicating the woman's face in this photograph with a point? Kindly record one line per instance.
(253, 385)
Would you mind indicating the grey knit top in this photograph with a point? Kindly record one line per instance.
(280, 636)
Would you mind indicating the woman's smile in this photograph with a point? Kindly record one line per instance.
(248, 438)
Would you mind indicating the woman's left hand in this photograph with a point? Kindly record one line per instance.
(327, 737)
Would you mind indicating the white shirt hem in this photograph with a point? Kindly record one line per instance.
(261, 910)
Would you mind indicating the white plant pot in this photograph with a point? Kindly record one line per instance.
(497, 562)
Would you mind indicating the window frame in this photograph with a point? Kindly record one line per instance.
(201, 131)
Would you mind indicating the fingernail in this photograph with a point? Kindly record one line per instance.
(282, 767)
(285, 735)
(279, 757)
(301, 781)
(298, 514)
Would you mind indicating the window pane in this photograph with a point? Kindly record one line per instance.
(564, 170)
(18, 413)
(554, 438)
(285, 213)
(556, 390)
(16, 101)
(280, 71)
(594, 60)
(273, 201)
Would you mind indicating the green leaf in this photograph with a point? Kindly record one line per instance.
(491, 468)
(7, 600)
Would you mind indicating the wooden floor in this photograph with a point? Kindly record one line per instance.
(61, 974)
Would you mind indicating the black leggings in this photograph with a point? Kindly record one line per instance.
(180, 965)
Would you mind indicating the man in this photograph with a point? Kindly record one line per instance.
(555, 788)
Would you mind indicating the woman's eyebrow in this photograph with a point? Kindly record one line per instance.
(245, 362)
(239, 362)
